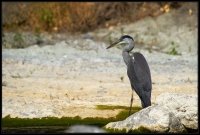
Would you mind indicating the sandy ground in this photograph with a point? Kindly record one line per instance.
(72, 76)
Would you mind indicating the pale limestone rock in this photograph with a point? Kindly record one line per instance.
(183, 106)
(154, 118)
(172, 113)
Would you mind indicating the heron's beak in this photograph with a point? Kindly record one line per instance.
(113, 44)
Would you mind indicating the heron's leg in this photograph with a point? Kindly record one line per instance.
(131, 104)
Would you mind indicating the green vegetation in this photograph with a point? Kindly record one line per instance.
(122, 78)
(190, 49)
(76, 16)
(122, 114)
(173, 49)
(109, 38)
(67, 121)
(46, 16)
(110, 107)
(53, 121)
(38, 36)
(18, 41)
(150, 49)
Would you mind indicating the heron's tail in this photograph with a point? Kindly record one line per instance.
(146, 99)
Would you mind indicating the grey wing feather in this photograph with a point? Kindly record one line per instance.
(139, 73)
(140, 59)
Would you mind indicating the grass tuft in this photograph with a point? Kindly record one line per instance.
(173, 49)
(110, 107)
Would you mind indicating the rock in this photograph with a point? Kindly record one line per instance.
(152, 119)
(4, 83)
(84, 129)
(26, 39)
(183, 106)
(173, 113)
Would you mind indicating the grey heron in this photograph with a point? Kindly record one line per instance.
(137, 70)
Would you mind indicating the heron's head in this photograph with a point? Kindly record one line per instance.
(124, 40)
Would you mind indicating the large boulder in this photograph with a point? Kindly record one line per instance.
(183, 106)
(172, 113)
(152, 119)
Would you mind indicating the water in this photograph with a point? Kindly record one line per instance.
(34, 130)
(47, 129)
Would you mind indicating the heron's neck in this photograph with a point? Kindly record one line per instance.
(126, 56)
(125, 53)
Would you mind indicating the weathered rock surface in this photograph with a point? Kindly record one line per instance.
(154, 118)
(84, 129)
(183, 106)
(171, 113)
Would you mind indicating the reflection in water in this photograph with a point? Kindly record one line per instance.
(31, 130)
